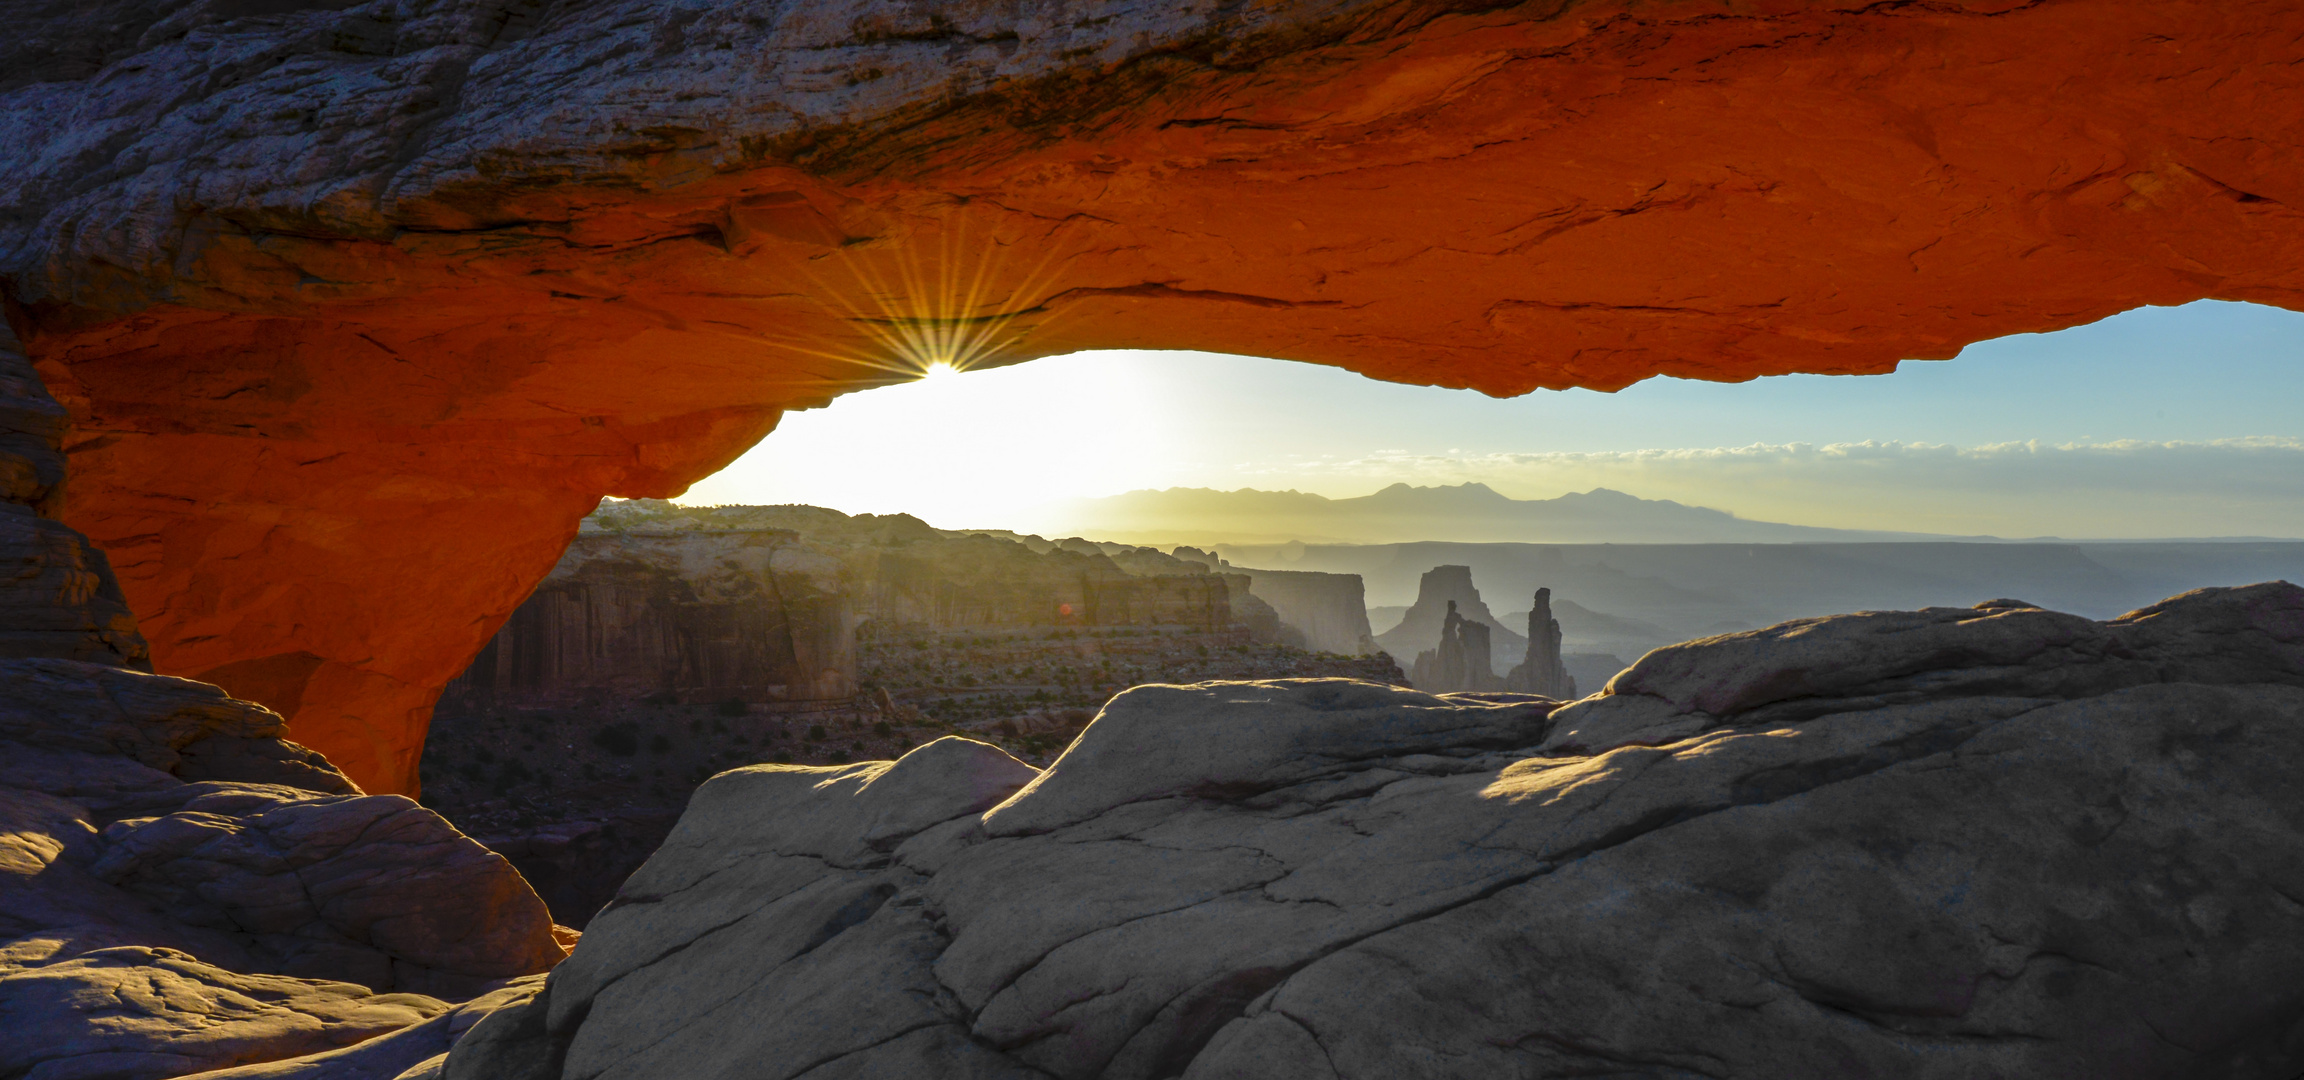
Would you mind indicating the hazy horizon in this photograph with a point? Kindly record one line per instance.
(2156, 423)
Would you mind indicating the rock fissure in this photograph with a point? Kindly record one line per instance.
(1581, 1051)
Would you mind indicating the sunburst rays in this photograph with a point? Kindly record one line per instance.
(920, 313)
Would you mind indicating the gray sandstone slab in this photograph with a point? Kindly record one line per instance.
(1993, 842)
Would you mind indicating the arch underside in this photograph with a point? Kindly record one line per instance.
(356, 329)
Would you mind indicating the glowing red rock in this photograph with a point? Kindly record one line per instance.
(353, 336)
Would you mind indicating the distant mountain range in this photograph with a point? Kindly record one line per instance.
(1466, 513)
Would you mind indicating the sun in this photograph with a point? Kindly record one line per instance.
(940, 369)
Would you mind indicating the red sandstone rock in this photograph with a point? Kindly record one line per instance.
(357, 315)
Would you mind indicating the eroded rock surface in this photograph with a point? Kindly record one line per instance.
(1951, 843)
(324, 283)
(153, 924)
(182, 888)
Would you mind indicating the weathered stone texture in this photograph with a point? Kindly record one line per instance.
(182, 889)
(57, 593)
(322, 284)
(1949, 843)
(142, 1014)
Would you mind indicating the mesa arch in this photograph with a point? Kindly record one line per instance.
(359, 307)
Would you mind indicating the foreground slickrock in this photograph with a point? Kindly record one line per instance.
(1989, 842)
(181, 889)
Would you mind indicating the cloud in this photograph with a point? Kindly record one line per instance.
(2128, 488)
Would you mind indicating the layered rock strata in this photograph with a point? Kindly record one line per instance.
(323, 284)
(1996, 841)
(764, 604)
(673, 643)
(1329, 610)
(692, 616)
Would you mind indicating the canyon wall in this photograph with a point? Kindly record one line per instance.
(764, 604)
(688, 616)
(1330, 610)
(323, 285)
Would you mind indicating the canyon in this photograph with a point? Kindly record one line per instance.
(328, 324)
(321, 285)
(1995, 840)
(672, 643)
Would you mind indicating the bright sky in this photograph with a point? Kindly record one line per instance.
(2183, 421)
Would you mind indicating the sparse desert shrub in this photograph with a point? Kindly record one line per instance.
(1006, 727)
(880, 728)
(839, 757)
(658, 744)
(618, 739)
(485, 755)
(733, 707)
(815, 733)
(783, 757)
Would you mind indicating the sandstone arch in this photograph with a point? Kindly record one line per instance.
(359, 307)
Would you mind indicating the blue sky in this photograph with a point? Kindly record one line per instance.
(2183, 421)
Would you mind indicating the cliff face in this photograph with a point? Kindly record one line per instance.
(1330, 610)
(324, 284)
(691, 616)
(763, 604)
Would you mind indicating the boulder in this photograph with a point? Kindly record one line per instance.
(249, 906)
(1949, 843)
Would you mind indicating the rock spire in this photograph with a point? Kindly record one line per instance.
(1542, 672)
(1461, 662)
